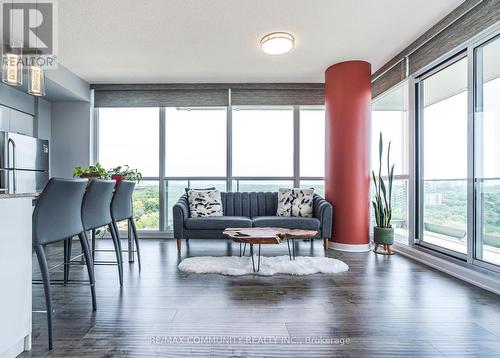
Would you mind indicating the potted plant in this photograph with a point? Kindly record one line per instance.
(90, 172)
(124, 172)
(383, 233)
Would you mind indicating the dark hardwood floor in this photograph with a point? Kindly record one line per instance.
(382, 306)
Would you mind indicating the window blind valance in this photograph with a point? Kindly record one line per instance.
(467, 20)
(204, 95)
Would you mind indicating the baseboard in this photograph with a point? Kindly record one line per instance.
(349, 247)
(490, 282)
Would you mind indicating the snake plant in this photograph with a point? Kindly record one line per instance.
(382, 203)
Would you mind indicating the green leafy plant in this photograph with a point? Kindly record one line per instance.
(126, 172)
(95, 171)
(382, 203)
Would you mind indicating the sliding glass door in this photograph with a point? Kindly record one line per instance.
(487, 151)
(443, 157)
(458, 154)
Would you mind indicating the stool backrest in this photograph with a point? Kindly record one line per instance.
(58, 212)
(121, 205)
(96, 206)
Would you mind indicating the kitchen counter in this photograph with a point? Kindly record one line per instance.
(19, 195)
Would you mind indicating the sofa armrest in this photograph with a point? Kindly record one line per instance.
(323, 211)
(181, 213)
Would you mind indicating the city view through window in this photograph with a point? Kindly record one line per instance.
(196, 153)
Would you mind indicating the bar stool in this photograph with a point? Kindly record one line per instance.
(57, 217)
(121, 209)
(96, 213)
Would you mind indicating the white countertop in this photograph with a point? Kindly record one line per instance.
(19, 195)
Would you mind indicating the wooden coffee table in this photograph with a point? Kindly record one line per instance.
(267, 236)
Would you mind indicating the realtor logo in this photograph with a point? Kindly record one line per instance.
(29, 29)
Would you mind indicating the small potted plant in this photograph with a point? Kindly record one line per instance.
(90, 172)
(383, 233)
(124, 172)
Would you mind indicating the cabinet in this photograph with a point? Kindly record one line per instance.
(15, 121)
(15, 275)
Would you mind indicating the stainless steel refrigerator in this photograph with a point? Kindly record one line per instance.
(24, 163)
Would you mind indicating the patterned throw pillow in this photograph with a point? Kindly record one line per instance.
(302, 202)
(203, 203)
(284, 202)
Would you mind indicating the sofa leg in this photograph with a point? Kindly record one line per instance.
(178, 245)
(325, 244)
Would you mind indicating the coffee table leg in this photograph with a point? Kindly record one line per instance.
(244, 248)
(258, 262)
(240, 249)
(289, 252)
(293, 248)
(251, 254)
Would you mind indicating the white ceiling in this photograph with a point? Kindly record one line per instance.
(117, 41)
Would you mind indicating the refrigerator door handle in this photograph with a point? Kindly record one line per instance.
(13, 161)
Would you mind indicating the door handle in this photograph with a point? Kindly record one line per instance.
(13, 161)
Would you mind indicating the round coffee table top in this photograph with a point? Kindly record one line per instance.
(267, 235)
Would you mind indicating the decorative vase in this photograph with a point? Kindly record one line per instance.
(117, 178)
(383, 235)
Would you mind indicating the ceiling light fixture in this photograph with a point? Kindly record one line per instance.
(12, 69)
(12, 64)
(36, 76)
(277, 43)
(36, 81)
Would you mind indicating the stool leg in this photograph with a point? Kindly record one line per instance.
(67, 258)
(66, 261)
(136, 239)
(118, 252)
(44, 269)
(88, 261)
(93, 244)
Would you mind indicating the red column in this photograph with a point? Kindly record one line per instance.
(347, 178)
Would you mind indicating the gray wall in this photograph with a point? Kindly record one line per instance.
(71, 127)
(42, 120)
(17, 99)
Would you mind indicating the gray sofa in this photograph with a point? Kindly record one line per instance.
(248, 209)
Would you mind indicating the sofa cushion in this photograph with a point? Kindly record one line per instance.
(302, 203)
(288, 222)
(204, 203)
(284, 202)
(217, 222)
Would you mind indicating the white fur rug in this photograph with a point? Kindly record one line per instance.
(237, 266)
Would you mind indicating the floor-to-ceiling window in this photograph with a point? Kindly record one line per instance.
(487, 152)
(244, 148)
(312, 148)
(195, 152)
(443, 156)
(262, 148)
(390, 117)
(129, 136)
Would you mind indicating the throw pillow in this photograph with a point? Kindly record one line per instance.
(284, 202)
(302, 202)
(188, 189)
(204, 203)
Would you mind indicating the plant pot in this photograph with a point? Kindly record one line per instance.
(383, 235)
(90, 176)
(117, 178)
